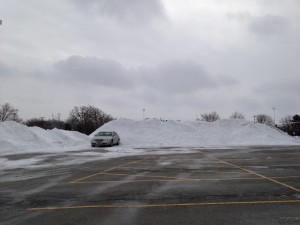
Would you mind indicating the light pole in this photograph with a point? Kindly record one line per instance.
(144, 114)
(274, 114)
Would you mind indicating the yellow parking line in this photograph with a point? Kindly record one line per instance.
(256, 174)
(83, 178)
(284, 165)
(164, 205)
(287, 177)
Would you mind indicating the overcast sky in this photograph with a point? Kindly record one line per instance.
(175, 58)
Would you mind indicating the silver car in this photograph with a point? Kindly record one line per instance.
(108, 138)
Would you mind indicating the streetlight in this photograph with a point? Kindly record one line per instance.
(274, 114)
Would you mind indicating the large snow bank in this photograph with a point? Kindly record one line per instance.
(154, 132)
(18, 137)
(15, 137)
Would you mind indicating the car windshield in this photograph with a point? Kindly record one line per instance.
(104, 134)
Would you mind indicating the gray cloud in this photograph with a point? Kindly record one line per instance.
(7, 72)
(4, 70)
(240, 16)
(260, 25)
(280, 94)
(94, 71)
(130, 11)
(178, 77)
(268, 25)
(181, 77)
(247, 104)
(290, 89)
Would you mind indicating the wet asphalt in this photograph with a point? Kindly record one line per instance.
(245, 185)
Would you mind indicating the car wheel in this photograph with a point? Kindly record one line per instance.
(111, 143)
(118, 142)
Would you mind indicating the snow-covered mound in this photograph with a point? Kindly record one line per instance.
(18, 137)
(154, 132)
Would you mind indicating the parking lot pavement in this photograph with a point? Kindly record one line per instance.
(258, 185)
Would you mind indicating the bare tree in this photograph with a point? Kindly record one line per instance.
(285, 122)
(265, 119)
(295, 126)
(237, 115)
(9, 113)
(87, 119)
(210, 117)
(46, 124)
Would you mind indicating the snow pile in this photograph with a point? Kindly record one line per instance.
(16, 137)
(154, 132)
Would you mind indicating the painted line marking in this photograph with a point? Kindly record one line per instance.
(256, 174)
(284, 165)
(83, 178)
(163, 205)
